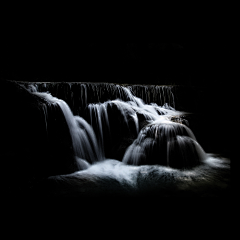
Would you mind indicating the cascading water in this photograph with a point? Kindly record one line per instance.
(157, 138)
(83, 138)
(151, 93)
(165, 143)
(108, 114)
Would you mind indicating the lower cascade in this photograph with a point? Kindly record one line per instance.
(130, 136)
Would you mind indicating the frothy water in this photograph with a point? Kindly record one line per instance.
(113, 178)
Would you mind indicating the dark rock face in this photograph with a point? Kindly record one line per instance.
(31, 150)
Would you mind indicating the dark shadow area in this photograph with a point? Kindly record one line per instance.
(164, 63)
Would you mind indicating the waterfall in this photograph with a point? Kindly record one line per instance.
(83, 138)
(165, 143)
(151, 93)
(124, 139)
(79, 95)
(108, 123)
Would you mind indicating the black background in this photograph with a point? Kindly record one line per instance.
(89, 44)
